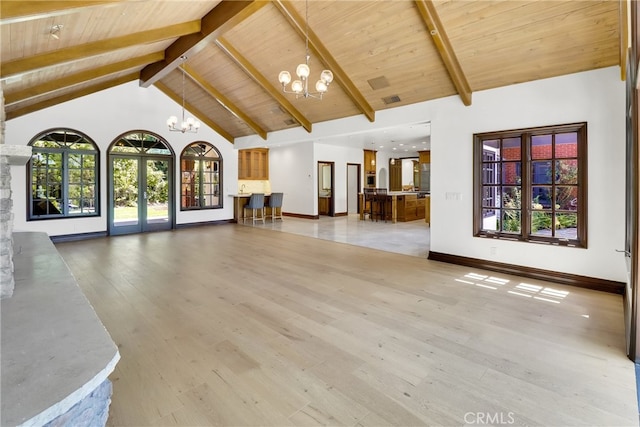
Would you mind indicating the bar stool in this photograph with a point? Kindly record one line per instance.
(380, 203)
(369, 194)
(275, 205)
(256, 203)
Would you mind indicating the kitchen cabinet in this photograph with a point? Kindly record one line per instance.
(253, 164)
(400, 207)
(395, 175)
(369, 162)
(410, 207)
(425, 170)
(324, 205)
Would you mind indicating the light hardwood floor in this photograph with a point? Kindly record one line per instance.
(233, 325)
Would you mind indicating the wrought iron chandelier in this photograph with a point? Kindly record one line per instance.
(188, 125)
(300, 87)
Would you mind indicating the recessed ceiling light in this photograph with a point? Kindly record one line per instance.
(394, 148)
(401, 145)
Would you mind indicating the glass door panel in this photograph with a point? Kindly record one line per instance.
(156, 194)
(125, 193)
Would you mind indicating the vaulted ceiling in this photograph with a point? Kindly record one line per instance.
(383, 54)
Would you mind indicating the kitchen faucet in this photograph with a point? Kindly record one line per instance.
(242, 189)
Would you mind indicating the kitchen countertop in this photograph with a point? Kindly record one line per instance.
(405, 193)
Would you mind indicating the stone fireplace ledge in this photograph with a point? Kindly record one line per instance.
(54, 350)
(16, 154)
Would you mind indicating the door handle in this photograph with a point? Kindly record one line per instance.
(626, 253)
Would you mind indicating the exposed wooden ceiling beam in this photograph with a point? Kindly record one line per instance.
(624, 37)
(75, 53)
(316, 46)
(252, 72)
(74, 79)
(219, 20)
(196, 112)
(19, 10)
(12, 114)
(436, 29)
(223, 100)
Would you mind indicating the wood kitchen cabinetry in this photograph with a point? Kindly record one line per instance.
(410, 207)
(395, 175)
(324, 205)
(369, 162)
(253, 164)
(425, 156)
(425, 170)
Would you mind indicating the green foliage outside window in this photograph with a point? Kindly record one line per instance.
(63, 175)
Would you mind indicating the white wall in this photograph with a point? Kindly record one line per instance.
(597, 97)
(293, 171)
(340, 156)
(103, 116)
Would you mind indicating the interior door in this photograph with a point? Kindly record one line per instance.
(140, 199)
(325, 188)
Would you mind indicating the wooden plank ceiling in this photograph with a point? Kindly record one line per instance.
(383, 54)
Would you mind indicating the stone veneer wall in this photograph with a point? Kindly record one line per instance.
(93, 410)
(7, 282)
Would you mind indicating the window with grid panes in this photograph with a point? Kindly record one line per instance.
(201, 177)
(530, 184)
(63, 175)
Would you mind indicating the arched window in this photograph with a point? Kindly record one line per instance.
(201, 177)
(63, 175)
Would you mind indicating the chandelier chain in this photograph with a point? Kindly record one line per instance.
(182, 71)
(300, 87)
(189, 124)
(306, 30)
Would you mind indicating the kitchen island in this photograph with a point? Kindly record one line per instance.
(399, 206)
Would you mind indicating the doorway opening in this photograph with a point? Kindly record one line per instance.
(353, 188)
(326, 189)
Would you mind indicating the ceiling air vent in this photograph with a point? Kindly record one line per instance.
(289, 122)
(391, 99)
(279, 110)
(378, 83)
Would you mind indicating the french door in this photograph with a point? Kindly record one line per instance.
(141, 196)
